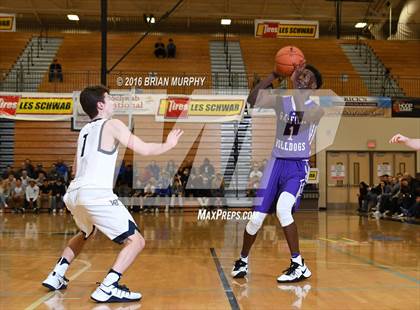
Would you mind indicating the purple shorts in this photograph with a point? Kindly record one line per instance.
(280, 175)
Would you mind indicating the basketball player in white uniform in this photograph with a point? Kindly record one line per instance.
(90, 197)
(410, 142)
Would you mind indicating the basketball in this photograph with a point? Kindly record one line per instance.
(287, 58)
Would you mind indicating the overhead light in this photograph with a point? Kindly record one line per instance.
(73, 17)
(360, 25)
(225, 21)
(152, 19)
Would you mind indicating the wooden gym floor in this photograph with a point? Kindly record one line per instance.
(357, 263)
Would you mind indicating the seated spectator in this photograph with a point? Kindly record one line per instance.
(25, 179)
(45, 192)
(62, 170)
(160, 51)
(177, 190)
(29, 168)
(252, 187)
(41, 178)
(52, 174)
(4, 194)
(58, 192)
(39, 169)
(171, 168)
(7, 172)
(55, 71)
(362, 195)
(164, 189)
(207, 168)
(18, 196)
(171, 49)
(255, 172)
(403, 200)
(154, 169)
(149, 193)
(32, 194)
(10, 182)
(263, 164)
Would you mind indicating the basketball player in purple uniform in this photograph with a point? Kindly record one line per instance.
(286, 173)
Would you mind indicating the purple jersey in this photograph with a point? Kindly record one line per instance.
(294, 133)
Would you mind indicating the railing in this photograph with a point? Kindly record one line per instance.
(343, 84)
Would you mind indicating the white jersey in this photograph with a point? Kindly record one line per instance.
(95, 166)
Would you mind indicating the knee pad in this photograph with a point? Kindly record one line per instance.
(255, 222)
(284, 208)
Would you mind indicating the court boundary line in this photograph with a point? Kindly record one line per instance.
(45, 297)
(226, 286)
(371, 262)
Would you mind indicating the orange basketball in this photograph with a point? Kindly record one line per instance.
(287, 58)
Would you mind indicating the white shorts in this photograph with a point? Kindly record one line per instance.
(101, 209)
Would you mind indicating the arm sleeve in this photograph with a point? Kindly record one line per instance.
(264, 84)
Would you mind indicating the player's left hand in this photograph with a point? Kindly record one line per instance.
(398, 138)
(173, 137)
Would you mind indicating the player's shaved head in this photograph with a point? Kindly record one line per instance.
(90, 97)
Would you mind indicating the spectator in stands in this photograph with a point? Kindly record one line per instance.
(45, 192)
(149, 193)
(56, 72)
(403, 200)
(18, 196)
(154, 169)
(62, 170)
(177, 191)
(171, 168)
(164, 189)
(252, 186)
(255, 172)
(4, 194)
(7, 172)
(25, 179)
(262, 166)
(58, 191)
(11, 182)
(362, 195)
(39, 169)
(160, 51)
(53, 174)
(29, 168)
(171, 49)
(207, 168)
(128, 176)
(32, 194)
(40, 179)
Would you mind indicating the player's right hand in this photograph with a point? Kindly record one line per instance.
(398, 138)
(173, 137)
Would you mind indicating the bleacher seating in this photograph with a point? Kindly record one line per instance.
(403, 60)
(81, 53)
(11, 46)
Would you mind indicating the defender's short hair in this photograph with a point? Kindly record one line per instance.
(89, 98)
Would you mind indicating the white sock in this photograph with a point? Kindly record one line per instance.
(111, 278)
(245, 259)
(61, 267)
(297, 259)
